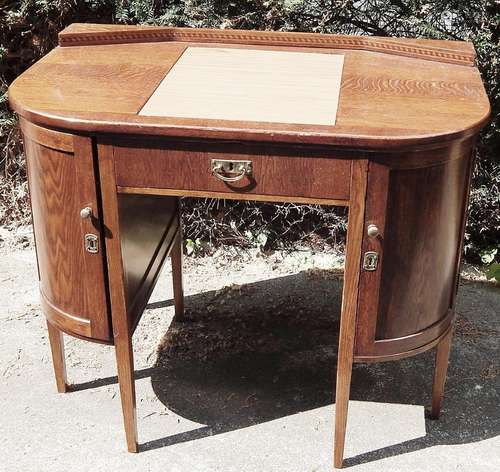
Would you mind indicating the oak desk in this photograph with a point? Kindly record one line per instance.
(106, 170)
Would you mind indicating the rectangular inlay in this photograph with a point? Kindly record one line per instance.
(250, 85)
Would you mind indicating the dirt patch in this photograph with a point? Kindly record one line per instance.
(292, 313)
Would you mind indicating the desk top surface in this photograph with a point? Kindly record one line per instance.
(393, 92)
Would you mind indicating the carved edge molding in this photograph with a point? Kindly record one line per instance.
(396, 46)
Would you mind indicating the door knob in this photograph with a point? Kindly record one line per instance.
(372, 231)
(85, 213)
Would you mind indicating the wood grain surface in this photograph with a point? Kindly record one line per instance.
(71, 279)
(176, 255)
(56, 341)
(458, 52)
(424, 222)
(145, 243)
(348, 317)
(121, 320)
(47, 137)
(386, 100)
(441, 367)
(187, 166)
(408, 301)
(230, 196)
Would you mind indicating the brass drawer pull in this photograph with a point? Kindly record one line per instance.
(231, 171)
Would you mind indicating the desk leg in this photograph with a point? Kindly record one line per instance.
(122, 333)
(349, 305)
(57, 348)
(176, 256)
(442, 356)
(125, 364)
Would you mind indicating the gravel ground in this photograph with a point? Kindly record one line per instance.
(246, 382)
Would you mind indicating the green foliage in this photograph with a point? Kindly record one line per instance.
(28, 29)
(493, 272)
(488, 255)
(493, 268)
(193, 247)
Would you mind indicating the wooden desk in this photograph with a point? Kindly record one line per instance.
(105, 180)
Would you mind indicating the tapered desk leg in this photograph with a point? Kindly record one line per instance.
(344, 371)
(57, 347)
(440, 369)
(125, 363)
(176, 256)
(349, 306)
(122, 334)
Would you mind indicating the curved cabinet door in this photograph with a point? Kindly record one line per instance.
(62, 182)
(418, 207)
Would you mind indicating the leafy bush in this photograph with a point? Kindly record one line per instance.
(28, 30)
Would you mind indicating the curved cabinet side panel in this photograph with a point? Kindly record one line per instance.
(407, 302)
(71, 279)
(423, 231)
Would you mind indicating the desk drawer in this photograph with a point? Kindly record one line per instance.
(274, 172)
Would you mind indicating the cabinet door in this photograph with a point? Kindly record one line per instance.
(406, 295)
(69, 248)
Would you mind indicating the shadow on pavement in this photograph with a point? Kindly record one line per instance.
(257, 352)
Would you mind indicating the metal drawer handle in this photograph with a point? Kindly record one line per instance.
(231, 171)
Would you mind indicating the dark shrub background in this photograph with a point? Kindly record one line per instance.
(29, 29)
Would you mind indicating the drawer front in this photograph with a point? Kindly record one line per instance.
(274, 173)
